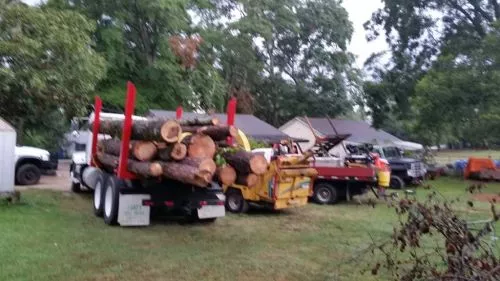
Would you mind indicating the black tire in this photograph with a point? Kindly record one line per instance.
(28, 174)
(98, 194)
(397, 182)
(76, 187)
(235, 203)
(111, 200)
(325, 193)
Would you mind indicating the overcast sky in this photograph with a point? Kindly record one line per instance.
(359, 12)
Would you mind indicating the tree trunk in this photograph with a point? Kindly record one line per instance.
(144, 169)
(201, 146)
(219, 133)
(185, 173)
(246, 162)
(226, 175)
(176, 151)
(203, 164)
(208, 121)
(249, 180)
(140, 150)
(153, 130)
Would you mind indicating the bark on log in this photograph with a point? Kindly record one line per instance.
(140, 150)
(185, 173)
(219, 133)
(249, 180)
(153, 130)
(203, 164)
(176, 151)
(208, 121)
(201, 146)
(144, 169)
(246, 162)
(226, 175)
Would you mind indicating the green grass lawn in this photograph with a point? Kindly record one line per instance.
(55, 236)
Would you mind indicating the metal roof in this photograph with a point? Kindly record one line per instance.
(249, 124)
(360, 131)
(5, 126)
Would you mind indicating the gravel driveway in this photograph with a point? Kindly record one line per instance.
(60, 181)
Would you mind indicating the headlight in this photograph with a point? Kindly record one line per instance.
(45, 157)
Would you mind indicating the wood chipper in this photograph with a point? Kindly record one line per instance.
(287, 182)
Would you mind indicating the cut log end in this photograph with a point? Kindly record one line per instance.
(170, 131)
(258, 164)
(155, 169)
(144, 150)
(201, 146)
(179, 151)
(226, 175)
(208, 165)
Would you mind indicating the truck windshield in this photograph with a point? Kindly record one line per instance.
(391, 152)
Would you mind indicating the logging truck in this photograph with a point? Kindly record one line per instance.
(126, 190)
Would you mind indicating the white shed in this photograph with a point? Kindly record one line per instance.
(7, 157)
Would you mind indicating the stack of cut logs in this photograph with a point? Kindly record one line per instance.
(182, 151)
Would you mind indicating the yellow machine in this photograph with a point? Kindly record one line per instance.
(287, 183)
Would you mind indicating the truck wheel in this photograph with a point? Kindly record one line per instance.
(235, 203)
(111, 200)
(28, 174)
(325, 194)
(397, 182)
(98, 197)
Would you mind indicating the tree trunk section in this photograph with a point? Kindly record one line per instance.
(226, 175)
(140, 150)
(176, 151)
(246, 162)
(185, 173)
(208, 121)
(201, 146)
(203, 164)
(152, 130)
(143, 169)
(249, 180)
(219, 133)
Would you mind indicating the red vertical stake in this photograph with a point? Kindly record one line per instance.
(95, 129)
(231, 113)
(178, 113)
(123, 173)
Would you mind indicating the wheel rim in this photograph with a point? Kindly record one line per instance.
(324, 194)
(97, 195)
(108, 202)
(30, 175)
(233, 203)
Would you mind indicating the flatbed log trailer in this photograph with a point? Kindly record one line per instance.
(121, 197)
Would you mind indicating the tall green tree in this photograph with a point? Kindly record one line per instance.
(47, 69)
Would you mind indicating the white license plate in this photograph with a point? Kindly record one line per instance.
(207, 212)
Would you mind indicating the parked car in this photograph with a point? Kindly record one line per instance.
(31, 162)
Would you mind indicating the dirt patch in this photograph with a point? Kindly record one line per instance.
(487, 197)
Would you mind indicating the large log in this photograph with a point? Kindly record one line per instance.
(140, 150)
(153, 130)
(144, 169)
(208, 121)
(217, 133)
(249, 180)
(246, 162)
(201, 146)
(185, 173)
(203, 164)
(226, 175)
(175, 151)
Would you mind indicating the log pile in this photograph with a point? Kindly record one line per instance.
(181, 150)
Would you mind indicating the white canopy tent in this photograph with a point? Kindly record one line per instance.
(407, 145)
